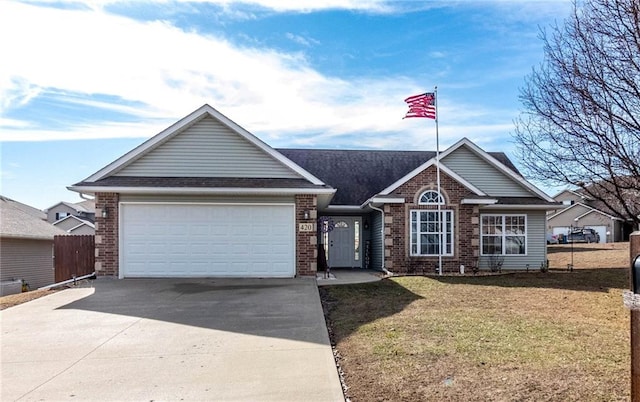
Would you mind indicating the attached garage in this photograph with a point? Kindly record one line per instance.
(207, 240)
(601, 230)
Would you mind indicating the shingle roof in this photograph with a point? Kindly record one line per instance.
(198, 182)
(360, 174)
(16, 222)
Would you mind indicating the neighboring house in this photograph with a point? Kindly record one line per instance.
(26, 247)
(76, 226)
(581, 211)
(83, 209)
(206, 198)
(75, 218)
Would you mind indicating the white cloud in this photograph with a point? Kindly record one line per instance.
(166, 73)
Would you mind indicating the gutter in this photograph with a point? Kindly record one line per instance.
(387, 272)
(74, 280)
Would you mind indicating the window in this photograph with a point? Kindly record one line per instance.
(60, 215)
(425, 232)
(431, 197)
(504, 234)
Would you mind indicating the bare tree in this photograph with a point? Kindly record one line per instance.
(581, 121)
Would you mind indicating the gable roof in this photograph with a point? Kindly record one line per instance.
(178, 127)
(35, 212)
(360, 174)
(486, 156)
(82, 206)
(80, 221)
(17, 222)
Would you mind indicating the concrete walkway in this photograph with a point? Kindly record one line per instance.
(192, 340)
(341, 276)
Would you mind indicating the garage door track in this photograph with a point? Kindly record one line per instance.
(180, 339)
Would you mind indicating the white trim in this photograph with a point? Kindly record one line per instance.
(443, 233)
(198, 190)
(255, 204)
(439, 196)
(80, 225)
(518, 207)
(478, 201)
(424, 166)
(500, 166)
(385, 200)
(504, 234)
(592, 210)
(183, 123)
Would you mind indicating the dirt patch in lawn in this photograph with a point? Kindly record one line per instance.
(19, 298)
(608, 255)
(526, 336)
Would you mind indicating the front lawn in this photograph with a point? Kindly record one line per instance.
(528, 336)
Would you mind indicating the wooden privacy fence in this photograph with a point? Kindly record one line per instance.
(74, 256)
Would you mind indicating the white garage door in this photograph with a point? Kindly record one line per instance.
(206, 240)
(560, 230)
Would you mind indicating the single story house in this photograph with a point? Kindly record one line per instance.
(206, 198)
(579, 210)
(26, 247)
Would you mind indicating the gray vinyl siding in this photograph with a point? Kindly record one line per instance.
(84, 230)
(68, 224)
(376, 241)
(208, 199)
(51, 213)
(30, 260)
(483, 175)
(536, 242)
(207, 149)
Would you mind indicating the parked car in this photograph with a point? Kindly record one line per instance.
(583, 235)
(552, 239)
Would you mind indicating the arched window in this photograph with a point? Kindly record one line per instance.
(431, 197)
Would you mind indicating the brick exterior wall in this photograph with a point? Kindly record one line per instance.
(466, 241)
(107, 234)
(306, 242)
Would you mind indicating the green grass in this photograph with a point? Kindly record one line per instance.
(554, 336)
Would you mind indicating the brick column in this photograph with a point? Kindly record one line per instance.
(634, 250)
(306, 242)
(107, 234)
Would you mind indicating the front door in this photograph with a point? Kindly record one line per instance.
(344, 243)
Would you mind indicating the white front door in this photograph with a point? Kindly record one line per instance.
(344, 243)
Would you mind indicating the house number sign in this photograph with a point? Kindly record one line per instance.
(306, 227)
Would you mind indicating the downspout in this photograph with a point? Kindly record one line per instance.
(382, 237)
(84, 197)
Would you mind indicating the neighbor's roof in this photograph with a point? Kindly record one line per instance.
(82, 206)
(35, 212)
(360, 174)
(17, 222)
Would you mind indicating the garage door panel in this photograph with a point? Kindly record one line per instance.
(183, 240)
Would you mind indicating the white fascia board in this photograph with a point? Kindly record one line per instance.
(65, 218)
(566, 208)
(427, 164)
(383, 200)
(519, 207)
(597, 211)
(478, 201)
(178, 126)
(499, 165)
(197, 190)
(79, 226)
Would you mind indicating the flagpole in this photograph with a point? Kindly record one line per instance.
(435, 94)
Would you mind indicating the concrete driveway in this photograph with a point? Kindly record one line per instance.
(209, 339)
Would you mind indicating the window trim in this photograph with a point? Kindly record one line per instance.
(504, 234)
(451, 234)
(440, 198)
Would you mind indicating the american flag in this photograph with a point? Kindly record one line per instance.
(423, 105)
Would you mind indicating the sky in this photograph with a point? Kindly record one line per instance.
(83, 82)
